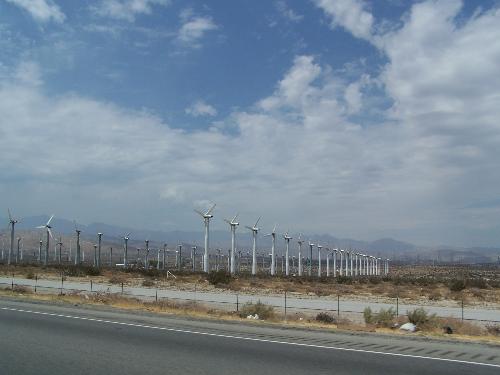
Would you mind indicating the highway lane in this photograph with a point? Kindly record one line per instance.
(52, 339)
(225, 300)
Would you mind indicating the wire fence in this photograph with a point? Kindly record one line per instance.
(287, 304)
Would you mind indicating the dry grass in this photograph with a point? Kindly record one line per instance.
(462, 330)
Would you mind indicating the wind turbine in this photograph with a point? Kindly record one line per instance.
(60, 250)
(206, 218)
(125, 248)
(233, 224)
(319, 259)
(49, 236)
(287, 262)
(300, 241)
(99, 240)
(78, 256)
(12, 223)
(273, 250)
(310, 258)
(18, 259)
(255, 231)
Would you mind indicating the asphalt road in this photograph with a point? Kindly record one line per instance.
(39, 338)
(225, 300)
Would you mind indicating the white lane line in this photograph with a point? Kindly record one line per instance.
(247, 338)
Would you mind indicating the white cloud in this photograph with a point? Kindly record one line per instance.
(194, 28)
(200, 108)
(287, 12)
(41, 10)
(297, 157)
(349, 14)
(128, 9)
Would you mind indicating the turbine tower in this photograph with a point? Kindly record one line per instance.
(273, 250)
(12, 223)
(310, 258)
(78, 256)
(287, 262)
(60, 243)
(99, 240)
(49, 236)
(233, 224)
(125, 250)
(300, 242)
(255, 231)
(319, 259)
(206, 218)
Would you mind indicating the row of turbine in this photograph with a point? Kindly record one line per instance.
(360, 264)
(355, 263)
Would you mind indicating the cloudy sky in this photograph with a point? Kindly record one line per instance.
(355, 118)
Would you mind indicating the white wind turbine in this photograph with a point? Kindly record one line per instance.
(49, 235)
(125, 250)
(233, 224)
(319, 259)
(12, 223)
(206, 218)
(287, 262)
(273, 252)
(255, 231)
(300, 242)
(78, 256)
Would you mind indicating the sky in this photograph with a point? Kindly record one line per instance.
(354, 118)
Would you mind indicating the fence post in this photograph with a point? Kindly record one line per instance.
(62, 284)
(156, 294)
(91, 285)
(122, 287)
(12, 283)
(397, 305)
(462, 309)
(237, 303)
(338, 307)
(36, 281)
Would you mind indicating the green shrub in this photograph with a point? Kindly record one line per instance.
(344, 280)
(92, 271)
(457, 285)
(368, 315)
(477, 283)
(219, 277)
(262, 310)
(324, 317)
(493, 329)
(384, 318)
(420, 317)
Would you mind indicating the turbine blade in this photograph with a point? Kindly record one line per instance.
(227, 221)
(274, 230)
(48, 222)
(40, 226)
(199, 212)
(234, 218)
(210, 210)
(246, 226)
(10, 216)
(128, 234)
(257, 222)
(50, 233)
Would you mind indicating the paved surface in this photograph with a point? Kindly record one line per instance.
(40, 338)
(227, 300)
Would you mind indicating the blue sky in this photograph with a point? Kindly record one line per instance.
(355, 118)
